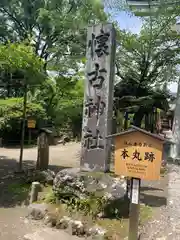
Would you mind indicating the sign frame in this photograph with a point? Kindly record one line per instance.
(136, 181)
(31, 123)
(138, 154)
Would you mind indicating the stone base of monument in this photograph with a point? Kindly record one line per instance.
(74, 182)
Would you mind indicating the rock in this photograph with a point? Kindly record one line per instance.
(33, 175)
(48, 176)
(101, 215)
(68, 183)
(37, 211)
(50, 220)
(96, 230)
(64, 140)
(73, 182)
(63, 223)
(76, 228)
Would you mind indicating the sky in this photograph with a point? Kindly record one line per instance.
(133, 24)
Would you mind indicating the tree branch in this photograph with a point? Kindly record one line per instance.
(14, 19)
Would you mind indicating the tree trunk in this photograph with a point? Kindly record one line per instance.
(23, 127)
(138, 117)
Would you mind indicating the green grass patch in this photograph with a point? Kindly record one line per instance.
(19, 192)
(146, 213)
(19, 188)
(47, 195)
(163, 171)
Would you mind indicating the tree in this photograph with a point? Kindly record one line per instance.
(11, 118)
(55, 28)
(19, 57)
(146, 61)
(62, 99)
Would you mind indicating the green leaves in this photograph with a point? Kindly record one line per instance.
(57, 29)
(11, 113)
(152, 53)
(21, 57)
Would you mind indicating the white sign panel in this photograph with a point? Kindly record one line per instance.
(135, 191)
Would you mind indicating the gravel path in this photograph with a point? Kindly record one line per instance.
(166, 226)
(60, 155)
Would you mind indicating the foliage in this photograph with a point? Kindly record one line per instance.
(55, 28)
(15, 56)
(19, 67)
(19, 188)
(89, 206)
(11, 109)
(50, 197)
(55, 31)
(154, 56)
(18, 191)
(11, 116)
(62, 99)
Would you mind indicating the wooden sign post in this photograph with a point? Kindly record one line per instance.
(98, 98)
(31, 123)
(138, 154)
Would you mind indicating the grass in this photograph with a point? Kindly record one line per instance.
(48, 195)
(119, 227)
(19, 188)
(163, 171)
(19, 191)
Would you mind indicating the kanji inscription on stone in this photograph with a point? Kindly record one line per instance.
(98, 97)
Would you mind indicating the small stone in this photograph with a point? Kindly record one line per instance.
(100, 215)
(50, 220)
(76, 228)
(63, 223)
(26, 221)
(37, 211)
(96, 230)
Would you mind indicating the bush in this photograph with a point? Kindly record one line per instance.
(11, 118)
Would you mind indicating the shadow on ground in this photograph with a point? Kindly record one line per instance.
(13, 190)
(154, 193)
(153, 200)
(149, 188)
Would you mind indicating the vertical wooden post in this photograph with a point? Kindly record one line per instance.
(98, 98)
(29, 136)
(43, 151)
(134, 209)
(23, 127)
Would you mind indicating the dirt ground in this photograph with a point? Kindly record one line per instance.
(60, 155)
(163, 196)
(13, 224)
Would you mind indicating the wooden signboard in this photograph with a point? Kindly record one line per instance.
(138, 154)
(31, 123)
